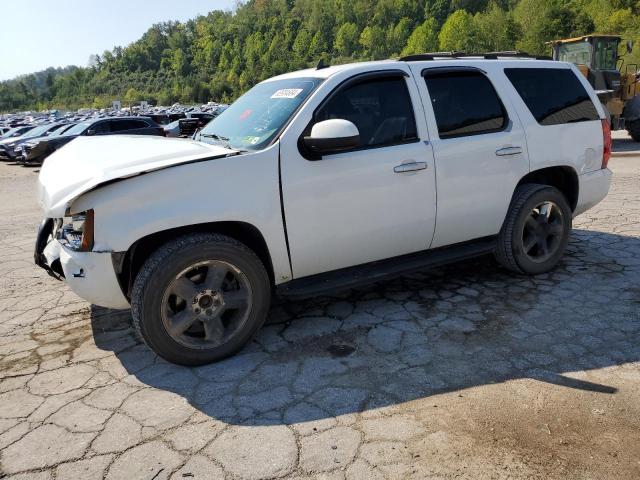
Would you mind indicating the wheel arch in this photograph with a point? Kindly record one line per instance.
(564, 178)
(127, 264)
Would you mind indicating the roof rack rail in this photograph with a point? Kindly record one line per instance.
(486, 56)
(432, 55)
(515, 54)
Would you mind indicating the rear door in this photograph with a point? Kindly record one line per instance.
(479, 146)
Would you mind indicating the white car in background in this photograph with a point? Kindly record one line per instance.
(324, 179)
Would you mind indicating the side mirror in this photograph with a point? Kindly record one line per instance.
(91, 132)
(629, 46)
(332, 136)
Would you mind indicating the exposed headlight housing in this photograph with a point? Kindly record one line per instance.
(77, 231)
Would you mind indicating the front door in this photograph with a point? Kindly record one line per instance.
(374, 202)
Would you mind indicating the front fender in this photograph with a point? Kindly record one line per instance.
(243, 188)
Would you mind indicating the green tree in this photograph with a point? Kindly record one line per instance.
(496, 29)
(458, 33)
(424, 38)
(398, 35)
(373, 41)
(346, 39)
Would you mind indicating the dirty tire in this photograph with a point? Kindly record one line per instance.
(634, 130)
(161, 268)
(509, 250)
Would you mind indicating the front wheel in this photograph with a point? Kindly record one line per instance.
(200, 298)
(536, 230)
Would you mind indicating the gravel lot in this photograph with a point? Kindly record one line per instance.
(463, 372)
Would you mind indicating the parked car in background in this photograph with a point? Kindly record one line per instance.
(22, 149)
(325, 179)
(7, 146)
(17, 131)
(96, 127)
(172, 129)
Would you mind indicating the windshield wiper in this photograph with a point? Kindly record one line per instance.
(219, 138)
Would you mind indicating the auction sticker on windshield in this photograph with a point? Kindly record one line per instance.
(287, 93)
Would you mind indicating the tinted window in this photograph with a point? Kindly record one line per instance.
(464, 103)
(120, 125)
(100, 128)
(380, 108)
(553, 96)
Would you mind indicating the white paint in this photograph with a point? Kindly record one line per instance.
(343, 210)
(86, 162)
(334, 128)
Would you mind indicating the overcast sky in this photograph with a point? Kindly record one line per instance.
(36, 34)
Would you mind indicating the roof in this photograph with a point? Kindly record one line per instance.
(582, 38)
(438, 60)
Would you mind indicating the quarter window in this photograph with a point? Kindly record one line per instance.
(381, 109)
(553, 96)
(464, 103)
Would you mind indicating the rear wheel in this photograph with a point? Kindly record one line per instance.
(634, 130)
(536, 231)
(200, 298)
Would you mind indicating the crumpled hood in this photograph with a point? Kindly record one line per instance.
(87, 162)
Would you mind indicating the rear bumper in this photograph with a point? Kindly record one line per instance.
(90, 275)
(594, 186)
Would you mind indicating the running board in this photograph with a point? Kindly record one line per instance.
(368, 273)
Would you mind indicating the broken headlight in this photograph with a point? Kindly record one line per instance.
(77, 231)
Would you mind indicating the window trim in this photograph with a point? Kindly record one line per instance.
(350, 82)
(436, 71)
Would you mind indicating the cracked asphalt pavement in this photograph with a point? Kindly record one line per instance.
(466, 371)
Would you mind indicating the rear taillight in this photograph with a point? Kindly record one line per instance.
(606, 151)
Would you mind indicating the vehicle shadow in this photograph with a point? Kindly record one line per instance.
(430, 332)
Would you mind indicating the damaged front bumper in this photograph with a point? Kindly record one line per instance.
(90, 275)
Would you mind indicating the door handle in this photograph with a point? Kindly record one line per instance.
(502, 152)
(410, 167)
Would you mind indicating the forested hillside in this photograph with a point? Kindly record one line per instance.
(220, 55)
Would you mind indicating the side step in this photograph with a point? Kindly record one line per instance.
(368, 273)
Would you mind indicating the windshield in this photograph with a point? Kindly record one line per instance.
(578, 53)
(606, 53)
(59, 130)
(78, 129)
(253, 120)
(37, 132)
(11, 133)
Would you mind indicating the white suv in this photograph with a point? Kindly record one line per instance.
(324, 179)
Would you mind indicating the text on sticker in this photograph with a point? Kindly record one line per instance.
(287, 93)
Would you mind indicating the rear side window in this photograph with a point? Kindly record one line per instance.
(464, 103)
(381, 108)
(554, 96)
